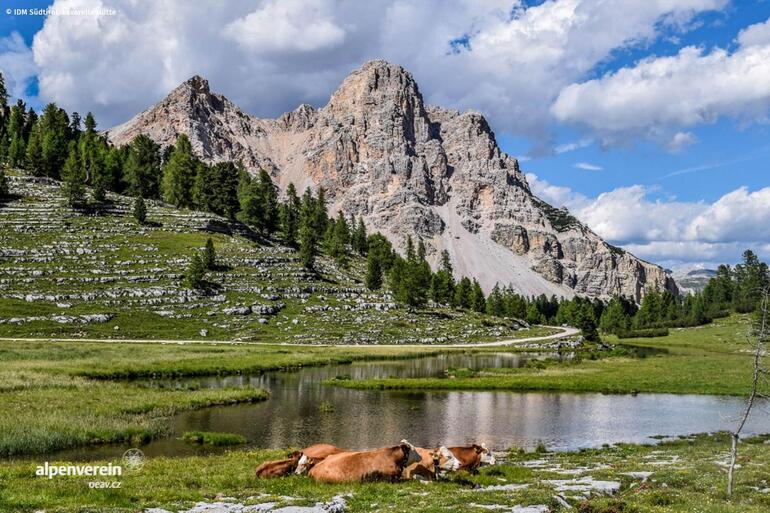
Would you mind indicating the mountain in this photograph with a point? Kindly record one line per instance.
(409, 169)
(692, 280)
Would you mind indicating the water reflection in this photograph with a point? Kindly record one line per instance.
(362, 419)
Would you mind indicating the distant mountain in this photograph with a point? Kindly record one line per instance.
(693, 280)
(409, 169)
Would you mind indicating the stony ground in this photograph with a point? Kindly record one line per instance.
(100, 274)
(685, 475)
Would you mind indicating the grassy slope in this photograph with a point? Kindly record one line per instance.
(705, 360)
(56, 262)
(693, 483)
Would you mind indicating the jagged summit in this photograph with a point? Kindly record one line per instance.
(409, 170)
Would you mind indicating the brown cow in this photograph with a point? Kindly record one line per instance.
(294, 462)
(385, 463)
(277, 468)
(471, 458)
(434, 463)
(314, 455)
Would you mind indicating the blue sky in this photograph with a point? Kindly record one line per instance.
(647, 119)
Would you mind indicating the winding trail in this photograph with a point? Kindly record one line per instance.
(566, 332)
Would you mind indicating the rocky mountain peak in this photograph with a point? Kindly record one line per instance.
(409, 169)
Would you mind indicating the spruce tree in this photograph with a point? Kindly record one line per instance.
(586, 322)
(339, 240)
(179, 174)
(308, 246)
(358, 237)
(216, 188)
(495, 304)
(4, 190)
(614, 319)
(14, 133)
(74, 183)
(373, 278)
(463, 293)
(320, 215)
(209, 255)
(140, 210)
(33, 159)
(55, 135)
(290, 214)
(443, 284)
(142, 168)
(268, 195)
(196, 272)
(478, 301)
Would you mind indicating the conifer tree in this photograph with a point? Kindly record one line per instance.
(308, 236)
(4, 191)
(463, 293)
(443, 284)
(33, 159)
(54, 139)
(320, 216)
(216, 188)
(495, 304)
(14, 134)
(340, 238)
(196, 272)
(209, 255)
(142, 168)
(290, 214)
(179, 174)
(478, 301)
(140, 210)
(74, 183)
(358, 237)
(373, 279)
(614, 319)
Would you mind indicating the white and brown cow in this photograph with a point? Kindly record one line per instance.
(387, 463)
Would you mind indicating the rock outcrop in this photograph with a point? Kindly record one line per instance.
(409, 169)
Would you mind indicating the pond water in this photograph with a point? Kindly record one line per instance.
(363, 419)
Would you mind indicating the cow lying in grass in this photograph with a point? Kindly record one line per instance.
(387, 463)
(434, 464)
(298, 462)
(472, 457)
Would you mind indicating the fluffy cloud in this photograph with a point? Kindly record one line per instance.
(17, 64)
(671, 230)
(661, 94)
(501, 57)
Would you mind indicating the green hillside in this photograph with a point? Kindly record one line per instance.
(99, 274)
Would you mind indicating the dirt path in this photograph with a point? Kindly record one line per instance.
(566, 332)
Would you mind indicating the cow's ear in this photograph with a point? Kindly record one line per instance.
(479, 449)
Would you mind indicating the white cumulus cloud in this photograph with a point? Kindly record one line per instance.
(666, 231)
(659, 95)
(501, 57)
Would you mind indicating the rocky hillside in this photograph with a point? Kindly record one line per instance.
(409, 169)
(99, 274)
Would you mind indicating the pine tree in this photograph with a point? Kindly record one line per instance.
(4, 191)
(340, 239)
(443, 283)
(209, 255)
(268, 194)
(478, 301)
(358, 237)
(55, 135)
(140, 210)
(463, 293)
(373, 278)
(320, 215)
(308, 236)
(179, 174)
(33, 159)
(614, 319)
(586, 322)
(74, 183)
(290, 213)
(495, 304)
(14, 133)
(196, 272)
(142, 168)
(216, 188)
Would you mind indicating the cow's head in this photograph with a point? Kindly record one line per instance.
(410, 454)
(444, 461)
(487, 458)
(304, 464)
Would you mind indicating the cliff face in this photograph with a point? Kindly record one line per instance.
(409, 169)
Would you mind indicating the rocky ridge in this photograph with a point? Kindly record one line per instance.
(409, 169)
